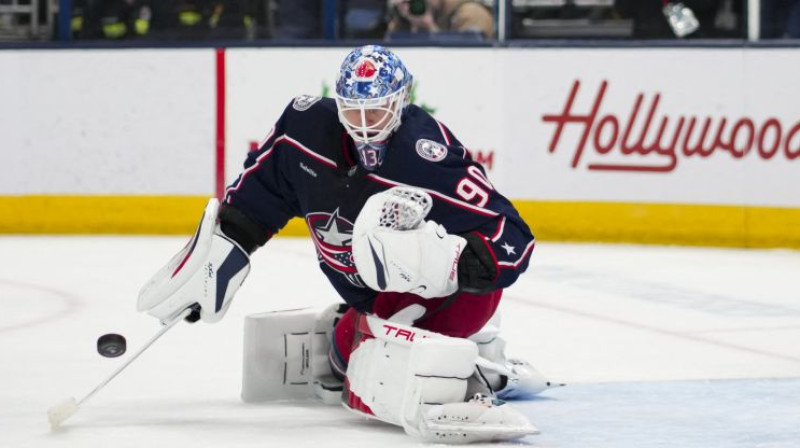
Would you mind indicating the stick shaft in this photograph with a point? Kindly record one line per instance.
(153, 339)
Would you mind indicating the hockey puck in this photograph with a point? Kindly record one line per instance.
(111, 345)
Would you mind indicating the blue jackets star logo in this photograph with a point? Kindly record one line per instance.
(330, 233)
(333, 237)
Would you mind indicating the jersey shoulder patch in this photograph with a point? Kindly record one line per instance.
(304, 102)
(431, 150)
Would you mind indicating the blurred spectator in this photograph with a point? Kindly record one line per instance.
(442, 15)
(162, 19)
(205, 19)
(780, 19)
(79, 11)
(112, 19)
(649, 21)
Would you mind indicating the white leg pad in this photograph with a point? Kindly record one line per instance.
(394, 378)
(286, 356)
(418, 380)
(376, 375)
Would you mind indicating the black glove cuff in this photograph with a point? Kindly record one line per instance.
(238, 227)
(477, 270)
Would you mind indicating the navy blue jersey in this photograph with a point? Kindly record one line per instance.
(306, 167)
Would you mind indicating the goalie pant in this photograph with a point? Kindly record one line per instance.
(462, 317)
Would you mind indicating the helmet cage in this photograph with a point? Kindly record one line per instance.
(379, 131)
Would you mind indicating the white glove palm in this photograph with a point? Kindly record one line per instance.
(422, 260)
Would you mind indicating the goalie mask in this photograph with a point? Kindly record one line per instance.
(371, 92)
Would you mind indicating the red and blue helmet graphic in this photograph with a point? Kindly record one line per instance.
(371, 72)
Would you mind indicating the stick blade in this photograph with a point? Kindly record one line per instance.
(62, 411)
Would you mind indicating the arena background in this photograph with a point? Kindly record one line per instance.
(695, 146)
(111, 147)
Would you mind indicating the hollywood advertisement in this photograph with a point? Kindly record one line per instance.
(728, 133)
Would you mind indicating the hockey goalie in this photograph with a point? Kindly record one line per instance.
(413, 237)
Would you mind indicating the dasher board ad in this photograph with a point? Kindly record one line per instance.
(693, 126)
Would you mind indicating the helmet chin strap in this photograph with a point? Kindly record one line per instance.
(370, 155)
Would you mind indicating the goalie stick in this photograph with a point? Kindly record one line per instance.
(67, 408)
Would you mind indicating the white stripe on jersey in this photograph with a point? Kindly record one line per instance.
(311, 153)
(444, 133)
(453, 201)
(500, 229)
(524, 255)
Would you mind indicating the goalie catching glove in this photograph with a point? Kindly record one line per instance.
(396, 249)
(206, 273)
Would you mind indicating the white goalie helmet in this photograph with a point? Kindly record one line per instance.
(371, 92)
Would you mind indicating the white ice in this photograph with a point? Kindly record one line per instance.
(660, 346)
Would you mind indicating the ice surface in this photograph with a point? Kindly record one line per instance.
(661, 347)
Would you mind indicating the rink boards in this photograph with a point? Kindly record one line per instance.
(688, 146)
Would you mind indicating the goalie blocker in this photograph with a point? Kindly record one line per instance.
(207, 272)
